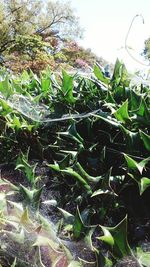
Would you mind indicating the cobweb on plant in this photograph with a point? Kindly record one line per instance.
(39, 112)
(27, 246)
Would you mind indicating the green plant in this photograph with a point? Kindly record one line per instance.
(29, 170)
(93, 136)
(36, 240)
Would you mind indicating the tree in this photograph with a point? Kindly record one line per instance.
(29, 29)
(146, 51)
(17, 17)
(36, 33)
(79, 57)
(59, 17)
(28, 17)
(29, 45)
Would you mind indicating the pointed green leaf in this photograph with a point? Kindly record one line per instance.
(31, 197)
(69, 218)
(85, 175)
(103, 261)
(107, 238)
(144, 184)
(45, 241)
(135, 100)
(5, 87)
(48, 226)
(67, 87)
(121, 114)
(110, 98)
(117, 72)
(143, 113)
(99, 75)
(22, 163)
(103, 192)
(25, 217)
(54, 167)
(77, 177)
(116, 237)
(28, 194)
(64, 163)
(107, 118)
(14, 263)
(132, 164)
(78, 225)
(88, 238)
(146, 140)
(143, 257)
(132, 138)
(16, 237)
(73, 132)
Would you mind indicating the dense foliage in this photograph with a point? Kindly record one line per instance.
(27, 18)
(36, 34)
(93, 136)
(146, 51)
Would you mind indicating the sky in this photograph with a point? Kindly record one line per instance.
(106, 23)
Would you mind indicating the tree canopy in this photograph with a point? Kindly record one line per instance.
(146, 51)
(28, 17)
(35, 34)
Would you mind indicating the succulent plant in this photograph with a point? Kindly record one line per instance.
(27, 238)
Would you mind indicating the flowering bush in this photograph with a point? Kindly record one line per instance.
(81, 63)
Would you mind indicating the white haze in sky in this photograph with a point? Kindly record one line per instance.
(106, 23)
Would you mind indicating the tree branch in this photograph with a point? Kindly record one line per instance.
(4, 46)
(12, 11)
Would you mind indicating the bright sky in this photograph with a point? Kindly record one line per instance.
(106, 23)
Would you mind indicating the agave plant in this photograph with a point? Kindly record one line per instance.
(94, 135)
(28, 239)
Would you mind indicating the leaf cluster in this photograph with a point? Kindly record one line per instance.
(93, 132)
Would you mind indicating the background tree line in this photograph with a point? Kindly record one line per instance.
(34, 34)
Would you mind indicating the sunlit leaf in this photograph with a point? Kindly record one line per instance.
(25, 217)
(77, 177)
(102, 192)
(31, 197)
(116, 237)
(134, 165)
(16, 237)
(122, 114)
(78, 225)
(85, 175)
(67, 87)
(144, 184)
(99, 75)
(132, 138)
(88, 238)
(48, 226)
(146, 140)
(102, 260)
(14, 263)
(45, 241)
(143, 257)
(69, 218)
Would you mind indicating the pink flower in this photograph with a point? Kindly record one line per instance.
(81, 63)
